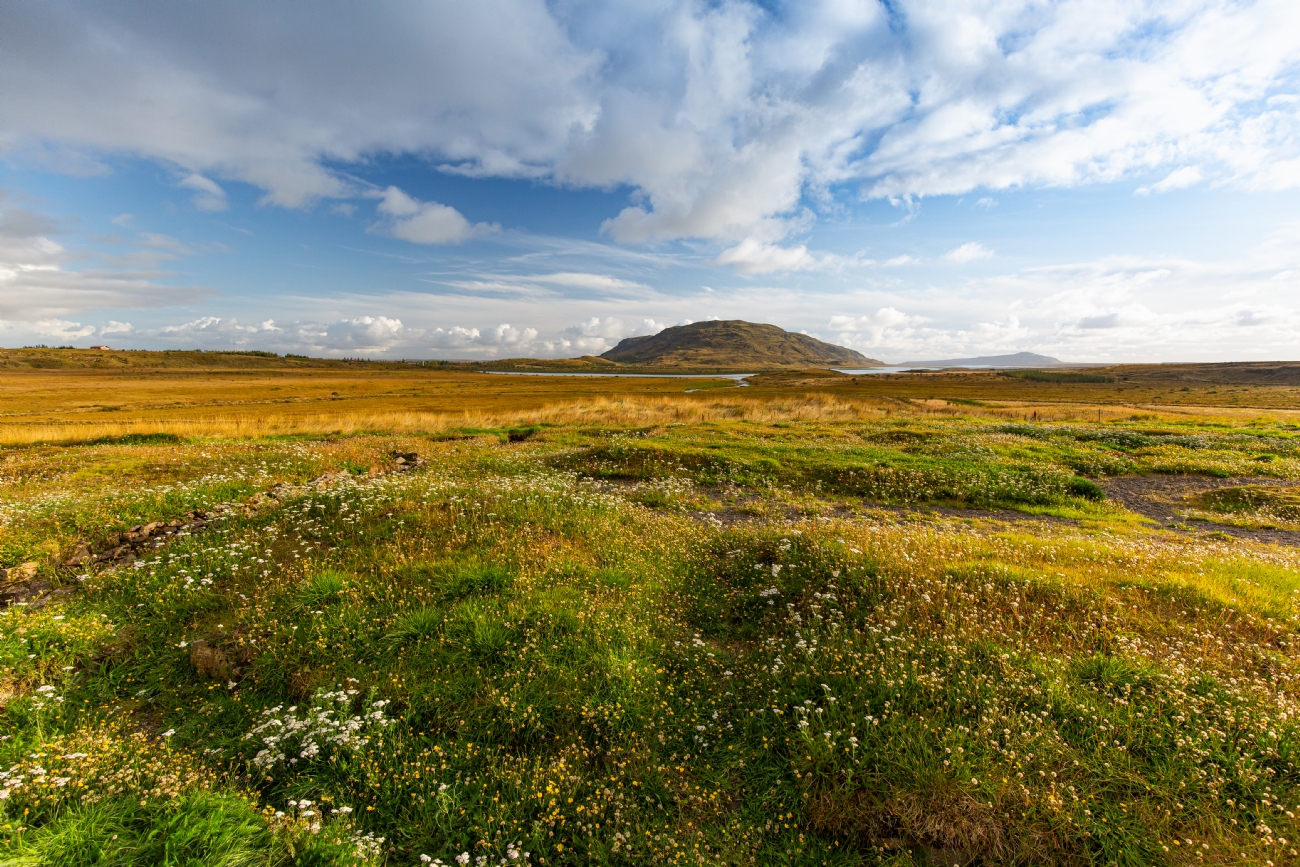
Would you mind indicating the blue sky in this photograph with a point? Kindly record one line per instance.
(1104, 180)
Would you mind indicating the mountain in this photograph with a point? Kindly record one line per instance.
(1020, 359)
(733, 343)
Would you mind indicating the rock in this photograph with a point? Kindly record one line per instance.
(46, 598)
(328, 480)
(118, 553)
(23, 572)
(142, 532)
(209, 661)
(80, 557)
(22, 592)
(405, 460)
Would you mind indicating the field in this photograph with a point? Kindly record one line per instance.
(384, 614)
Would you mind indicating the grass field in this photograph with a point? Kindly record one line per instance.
(355, 614)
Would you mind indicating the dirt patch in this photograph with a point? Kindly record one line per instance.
(1163, 498)
(757, 510)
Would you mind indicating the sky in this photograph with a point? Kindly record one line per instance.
(1096, 180)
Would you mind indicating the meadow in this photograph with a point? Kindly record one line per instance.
(385, 615)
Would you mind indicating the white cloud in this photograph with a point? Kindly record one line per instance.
(363, 333)
(598, 334)
(494, 81)
(209, 196)
(493, 340)
(754, 257)
(40, 280)
(57, 331)
(722, 117)
(885, 317)
(1178, 179)
(899, 261)
(426, 222)
(599, 282)
(888, 326)
(971, 251)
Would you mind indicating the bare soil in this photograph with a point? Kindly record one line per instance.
(1160, 498)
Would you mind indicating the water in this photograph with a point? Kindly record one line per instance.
(914, 368)
(870, 370)
(738, 377)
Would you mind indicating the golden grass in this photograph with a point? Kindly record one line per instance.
(606, 412)
(80, 405)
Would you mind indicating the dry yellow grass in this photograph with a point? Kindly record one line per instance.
(54, 406)
(80, 405)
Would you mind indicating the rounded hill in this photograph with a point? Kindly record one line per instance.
(734, 343)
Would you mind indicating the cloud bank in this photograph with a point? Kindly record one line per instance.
(724, 118)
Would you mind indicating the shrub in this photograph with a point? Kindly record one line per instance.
(1085, 489)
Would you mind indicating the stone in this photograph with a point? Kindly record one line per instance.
(22, 591)
(79, 557)
(142, 532)
(118, 553)
(23, 572)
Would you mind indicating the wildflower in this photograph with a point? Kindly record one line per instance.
(169, 733)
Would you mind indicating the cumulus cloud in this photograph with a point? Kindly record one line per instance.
(493, 339)
(888, 326)
(598, 334)
(426, 222)
(971, 251)
(721, 117)
(363, 333)
(357, 335)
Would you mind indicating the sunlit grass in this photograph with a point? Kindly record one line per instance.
(660, 629)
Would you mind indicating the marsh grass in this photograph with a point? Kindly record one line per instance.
(657, 630)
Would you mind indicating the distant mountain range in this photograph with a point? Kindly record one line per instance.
(1019, 359)
(733, 343)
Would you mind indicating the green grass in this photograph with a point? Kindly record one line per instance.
(714, 643)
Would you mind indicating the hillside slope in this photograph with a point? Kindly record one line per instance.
(1019, 359)
(734, 343)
